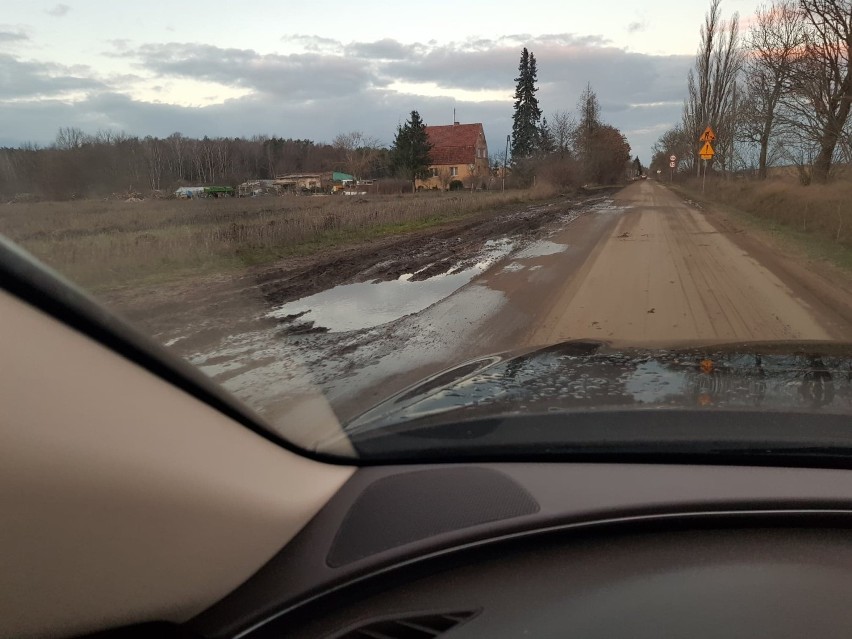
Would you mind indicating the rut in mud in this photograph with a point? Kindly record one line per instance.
(454, 247)
(193, 316)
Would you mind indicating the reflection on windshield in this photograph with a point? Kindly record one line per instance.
(549, 380)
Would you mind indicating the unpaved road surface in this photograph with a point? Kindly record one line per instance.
(354, 325)
(666, 275)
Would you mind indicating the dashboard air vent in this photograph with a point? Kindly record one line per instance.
(422, 626)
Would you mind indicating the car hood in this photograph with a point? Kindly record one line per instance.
(591, 376)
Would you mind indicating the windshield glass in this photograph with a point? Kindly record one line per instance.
(365, 224)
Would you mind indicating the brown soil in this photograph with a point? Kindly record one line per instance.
(214, 305)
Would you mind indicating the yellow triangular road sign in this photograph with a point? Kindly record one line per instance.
(708, 135)
(707, 152)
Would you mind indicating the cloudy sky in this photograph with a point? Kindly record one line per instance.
(315, 69)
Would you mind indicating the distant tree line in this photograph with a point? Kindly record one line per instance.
(564, 151)
(78, 164)
(780, 94)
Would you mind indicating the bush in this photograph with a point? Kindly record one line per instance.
(456, 185)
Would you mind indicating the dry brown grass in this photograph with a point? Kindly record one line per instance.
(107, 243)
(822, 210)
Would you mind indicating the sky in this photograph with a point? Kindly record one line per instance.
(313, 70)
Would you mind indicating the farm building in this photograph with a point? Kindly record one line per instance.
(312, 181)
(459, 152)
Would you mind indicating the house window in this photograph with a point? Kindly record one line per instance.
(433, 172)
(454, 171)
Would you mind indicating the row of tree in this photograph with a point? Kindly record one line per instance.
(565, 153)
(82, 165)
(779, 94)
(567, 150)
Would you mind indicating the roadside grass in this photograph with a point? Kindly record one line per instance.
(815, 219)
(107, 244)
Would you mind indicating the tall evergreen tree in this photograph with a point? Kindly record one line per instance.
(525, 120)
(410, 151)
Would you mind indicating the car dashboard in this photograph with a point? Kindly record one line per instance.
(554, 550)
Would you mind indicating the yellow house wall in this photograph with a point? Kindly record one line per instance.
(479, 168)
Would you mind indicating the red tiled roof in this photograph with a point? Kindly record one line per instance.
(454, 143)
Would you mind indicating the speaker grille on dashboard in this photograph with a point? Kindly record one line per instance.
(412, 627)
(404, 508)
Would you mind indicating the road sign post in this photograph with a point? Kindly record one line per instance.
(672, 165)
(706, 152)
(707, 137)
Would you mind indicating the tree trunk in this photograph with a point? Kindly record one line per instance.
(828, 142)
(764, 152)
(822, 163)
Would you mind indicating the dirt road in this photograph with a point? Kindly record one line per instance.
(640, 268)
(665, 275)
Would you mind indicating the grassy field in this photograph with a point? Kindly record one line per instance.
(815, 218)
(102, 244)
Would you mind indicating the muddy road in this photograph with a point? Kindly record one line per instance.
(640, 267)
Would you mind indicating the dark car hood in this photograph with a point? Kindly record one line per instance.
(591, 376)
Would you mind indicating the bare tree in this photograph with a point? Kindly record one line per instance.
(561, 129)
(774, 43)
(358, 150)
(676, 141)
(585, 131)
(711, 84)
(153, 151)
(177, 146)
(114, 162)
(822, 85)
(69, 137)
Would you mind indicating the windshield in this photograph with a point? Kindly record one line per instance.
(363, 224)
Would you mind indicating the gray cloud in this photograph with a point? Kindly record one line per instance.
(59, 10)
(27, 79)
(636, 27)
(332, 87)
(386, 49)
(10, 37)
(120, 44)
(306, 76)
(314, 43)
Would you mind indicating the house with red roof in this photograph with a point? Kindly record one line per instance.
(459, 152)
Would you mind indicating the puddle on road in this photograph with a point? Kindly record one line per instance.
(609, 206)
(540, 249)
(352, 307)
